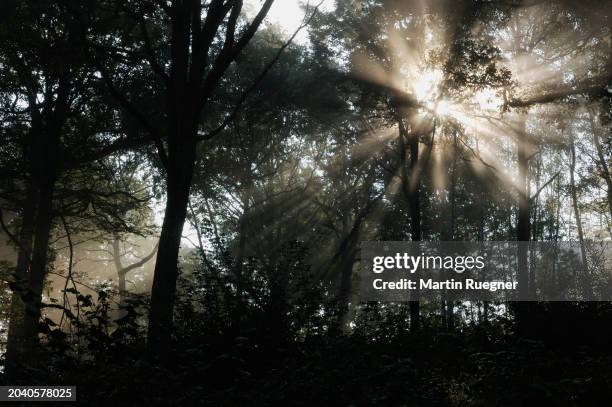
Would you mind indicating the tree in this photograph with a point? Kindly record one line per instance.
(204, 39)
(56, 123)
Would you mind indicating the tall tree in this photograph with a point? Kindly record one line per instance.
(55, 123)
(200, 41)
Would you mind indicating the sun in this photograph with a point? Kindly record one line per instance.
(425, 86)
(443, 108)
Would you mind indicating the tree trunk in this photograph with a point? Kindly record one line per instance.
(523, 229)
(119, 269)
(190, 82)
(122, 271)
(556, 232)
(448, 309)
(409, 144)
(415, 219)
(344, 292)
(346, 258)
(602, 162)
(15, 348)
(38, 268)
(587, 281)
(44, 163)
(523, 221)
(533, 210)
(239, 308)
(121, 285)
(181, 163)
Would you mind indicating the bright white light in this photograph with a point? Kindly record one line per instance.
(288, 14)
(487, 99)
(426, 84)
(443, 108)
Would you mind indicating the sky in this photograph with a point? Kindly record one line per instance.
(288, 14)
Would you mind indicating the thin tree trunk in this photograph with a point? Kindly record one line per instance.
(344, 293)
(574, 195)
(523, 221)
(119, 269)
(523, 229)
(415, 219)
(450, 304)
(603, 165)
(15, 348)
(409, 145)
(239, 308)
(555, 238)
(122, 270)
(346, 256)
(533, 208)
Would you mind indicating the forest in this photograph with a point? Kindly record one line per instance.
(186, 185)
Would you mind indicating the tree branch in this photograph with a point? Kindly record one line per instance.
(599, 89)
(229, 54)
(259, 78)
(140, 263)
(534, 196)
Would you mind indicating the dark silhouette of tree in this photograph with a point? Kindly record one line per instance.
(195, 68)
(56, 125)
